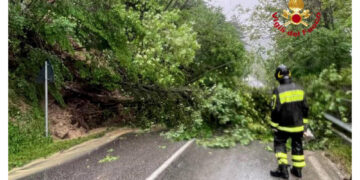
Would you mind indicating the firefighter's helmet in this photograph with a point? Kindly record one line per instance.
(282, 72)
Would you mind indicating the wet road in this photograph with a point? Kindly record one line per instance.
(241, 162)
(139, 155)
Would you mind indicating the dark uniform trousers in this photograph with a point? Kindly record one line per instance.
(297, 152)
(288, 117)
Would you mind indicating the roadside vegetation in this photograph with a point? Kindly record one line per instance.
(178, 63)
(321, 62)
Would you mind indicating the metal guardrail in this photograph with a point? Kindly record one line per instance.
(341, 124)
(338, 122)
(345, 137)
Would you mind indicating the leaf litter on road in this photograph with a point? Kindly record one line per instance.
(108, 158)
(110, 150)
(268, 148)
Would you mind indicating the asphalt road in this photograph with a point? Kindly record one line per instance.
(242, 162)
(139, 155)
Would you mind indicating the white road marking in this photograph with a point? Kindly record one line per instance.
(167, 163)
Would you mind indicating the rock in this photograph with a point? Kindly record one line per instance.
(76, 133)
(61, 132)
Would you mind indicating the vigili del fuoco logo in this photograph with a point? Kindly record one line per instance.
(296, 16)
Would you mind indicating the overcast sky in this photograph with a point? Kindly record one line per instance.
(229, 7)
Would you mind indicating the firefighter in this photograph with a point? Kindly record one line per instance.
(288, 120)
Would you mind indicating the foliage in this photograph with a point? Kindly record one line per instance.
(226, 117)
(148, 45)
(155, 51)
(329, 43)
(108, 158)
(27, 141)
(335, 86)
(181, 61)
(314, 52)
(22, 80)
(165, 47)
(320, 61)
(340, 152)
(25, 130)
(222, 53)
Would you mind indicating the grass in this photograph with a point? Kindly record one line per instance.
(35, 152)
(26, 134)
(340, 152)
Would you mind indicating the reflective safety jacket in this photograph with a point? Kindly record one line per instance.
(289, 108)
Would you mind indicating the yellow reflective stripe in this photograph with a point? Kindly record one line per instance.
(281, 155)
(298, 157)
(274, 124)
(291, 96)
(291, 129)
(274, 101)
(299, 164)
(305, 120)
(282, 161)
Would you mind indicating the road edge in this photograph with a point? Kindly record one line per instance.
(68, 155)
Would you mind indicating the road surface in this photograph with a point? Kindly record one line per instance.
(140, 156)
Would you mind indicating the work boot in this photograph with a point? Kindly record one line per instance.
(296, 171)
(281, 172)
